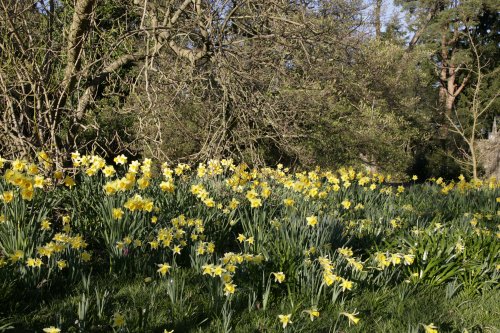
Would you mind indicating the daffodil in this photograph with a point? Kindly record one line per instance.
(66, 219)
(108, 171)
(45, 225)
(27, 193)
(279, 277)
(346, 204)
(86, 256)
(408, 259)
(120, 159)
(431, 328)
(117, 213)
(62, 264)
(233, 204)
(118, 320)
(34, 262)
(285, 319)
(352, 317)
(229, 288)
(51, 329)
(218, 271)
(313, 313)
(7, 196)
(18, 165)
(255, 202)
(345, 251)
(312, 221)
(163, 269)
(346, 284)
(69, 182)
(176, 249)
(207, 269)
(16, 256)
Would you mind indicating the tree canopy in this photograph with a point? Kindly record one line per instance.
(325, 82)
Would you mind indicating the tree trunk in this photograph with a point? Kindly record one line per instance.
(377, 19)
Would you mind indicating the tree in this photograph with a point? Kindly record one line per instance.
(377, 20)
(467, 125)
(237, 100)
(116, 57)
(437, 22)
(440, 25)
(54, 57)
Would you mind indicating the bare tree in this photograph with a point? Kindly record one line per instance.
(467, 128)
(49, 72)
(227, 95)
(199, 78)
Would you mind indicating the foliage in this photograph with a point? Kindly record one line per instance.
(134, 246)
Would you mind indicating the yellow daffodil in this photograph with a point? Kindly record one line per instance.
(346, 252)
(86, 256)
(346, 204)
(7, 196)
(352, 317)
(118, 320)
(61, 264)
(285, 319)
(176, 249)
(120, 159)
(431, 328)
(31, 262)
(218, 271)
(279, 277)
(408, 259)
(108, 171)
(255, 202)
(117, 213)
(346, 284)
(16, 256)
(313, 313)
(229, 288)
(45, 225)
(312, 221)
(208, 269)
(69, 182)
(233, 204)
(163, 269)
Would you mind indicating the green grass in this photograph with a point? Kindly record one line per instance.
(397, 309)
